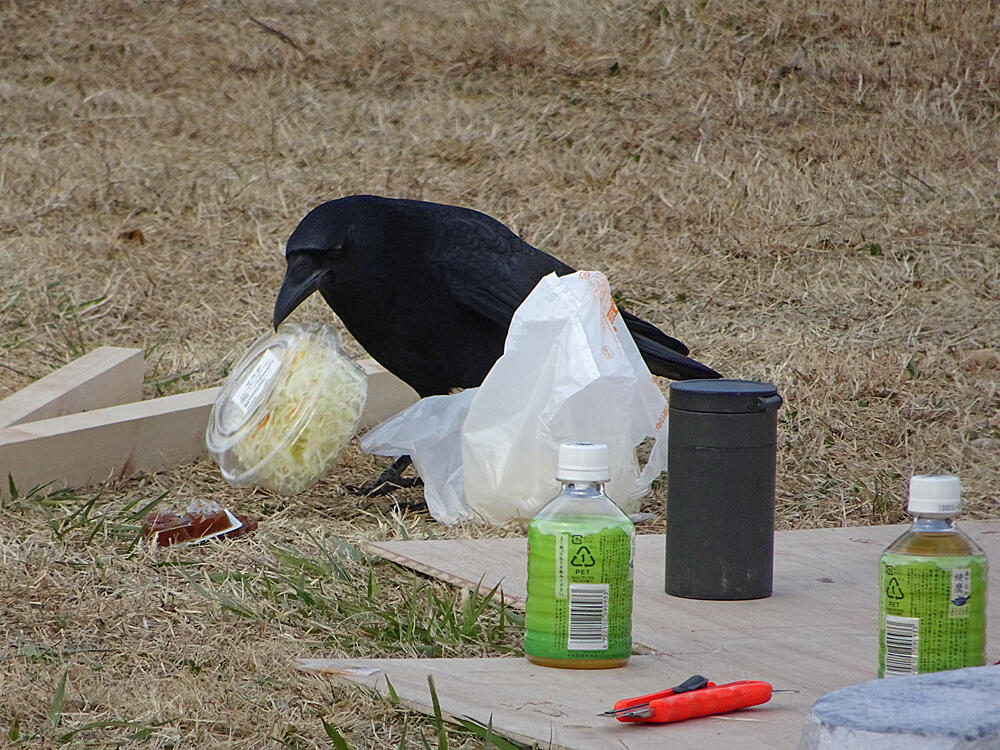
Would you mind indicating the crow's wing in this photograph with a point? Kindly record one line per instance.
(484, 265)
(489, 269)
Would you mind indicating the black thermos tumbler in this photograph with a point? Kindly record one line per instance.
(721, 453)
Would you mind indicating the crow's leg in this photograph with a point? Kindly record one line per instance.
(389, 480)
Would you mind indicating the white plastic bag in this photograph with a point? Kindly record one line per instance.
(430, 432)
(570, 372)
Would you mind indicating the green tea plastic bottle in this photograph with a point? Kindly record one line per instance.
(580, 558)
(932, 613)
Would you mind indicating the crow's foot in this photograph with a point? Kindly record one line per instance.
(389, 480)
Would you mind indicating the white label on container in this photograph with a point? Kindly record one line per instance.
(250, 393)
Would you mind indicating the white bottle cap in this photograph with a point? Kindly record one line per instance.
(583, 462)
(935, 493)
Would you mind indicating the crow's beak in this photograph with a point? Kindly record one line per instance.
(302, 278)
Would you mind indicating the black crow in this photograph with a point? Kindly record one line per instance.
(429, 289)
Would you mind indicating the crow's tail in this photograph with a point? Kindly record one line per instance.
(669, 363)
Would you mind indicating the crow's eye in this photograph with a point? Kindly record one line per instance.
(337, 249)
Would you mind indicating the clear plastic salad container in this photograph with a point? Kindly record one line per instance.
(287, 410)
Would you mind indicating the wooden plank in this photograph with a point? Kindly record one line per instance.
(818, 632)
(111, 443)
(561, 706)
(387, 394)
(75, 450)
(106, 376)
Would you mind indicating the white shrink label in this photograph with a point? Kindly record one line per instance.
(251, 391)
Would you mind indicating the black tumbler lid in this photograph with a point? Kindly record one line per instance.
(724, 396)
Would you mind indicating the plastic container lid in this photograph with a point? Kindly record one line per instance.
(288, 409)
(724, 396)
(583, 462)
(938, 494)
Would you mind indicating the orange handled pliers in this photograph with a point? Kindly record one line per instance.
(696, 696)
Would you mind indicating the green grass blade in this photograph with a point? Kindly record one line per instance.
(393, 697)
(226, 602)
(300, 590)
(143, 731)
(488, 734)
(55, 709)
(145, 509)
(442, 735)
(83, 511)
(335, 566)
(488, 740)
(143, 734)
(340, 548)
(335, 737)
(290, 559)
(348, 550)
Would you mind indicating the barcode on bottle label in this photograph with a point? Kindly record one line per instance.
(250, 393)
(588, 617)
(902, 641)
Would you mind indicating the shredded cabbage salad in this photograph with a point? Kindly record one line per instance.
(291, 447)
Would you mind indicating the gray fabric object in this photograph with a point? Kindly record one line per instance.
(954, 710)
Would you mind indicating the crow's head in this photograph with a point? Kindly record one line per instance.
(326, 250)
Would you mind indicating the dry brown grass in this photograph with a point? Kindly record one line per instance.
(804, 192)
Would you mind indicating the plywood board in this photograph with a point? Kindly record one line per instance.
(558, 708)
(106, 376)
(818, 632)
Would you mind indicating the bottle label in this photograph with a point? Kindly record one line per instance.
(932, 613)
(579, 592)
